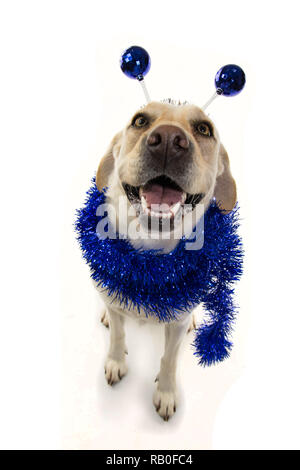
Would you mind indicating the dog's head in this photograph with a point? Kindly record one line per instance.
(168, 156)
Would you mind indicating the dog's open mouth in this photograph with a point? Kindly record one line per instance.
(161, 198)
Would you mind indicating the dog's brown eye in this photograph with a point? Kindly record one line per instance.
(204, 129)
(140, 121)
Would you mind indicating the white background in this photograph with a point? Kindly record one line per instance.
(62, 99)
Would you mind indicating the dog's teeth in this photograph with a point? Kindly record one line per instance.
(183, 197)
(154, 214)
(144, 203)
(176, 207)
(163, 215)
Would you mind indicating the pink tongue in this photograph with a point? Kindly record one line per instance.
(157, 194)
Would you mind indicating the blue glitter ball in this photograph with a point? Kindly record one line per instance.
(135, 62)
(230, 79)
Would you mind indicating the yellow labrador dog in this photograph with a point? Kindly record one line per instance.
(169, 155)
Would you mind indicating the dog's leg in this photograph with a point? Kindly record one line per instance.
(165, 396)
(115, 365)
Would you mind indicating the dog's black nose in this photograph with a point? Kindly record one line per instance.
(168, 141)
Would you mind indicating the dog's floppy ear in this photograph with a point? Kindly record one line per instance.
(225, 189)
(106, 164)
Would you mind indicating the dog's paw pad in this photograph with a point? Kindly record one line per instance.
(165, 403)
(114, 370)
(105, 319)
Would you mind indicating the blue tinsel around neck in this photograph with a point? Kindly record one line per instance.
(165, 285)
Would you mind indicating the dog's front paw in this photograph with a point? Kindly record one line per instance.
(114, 370)
(165, 403)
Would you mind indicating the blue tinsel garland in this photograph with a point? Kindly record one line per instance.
(164, 285)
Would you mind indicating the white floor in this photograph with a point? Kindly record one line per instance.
(97, 416)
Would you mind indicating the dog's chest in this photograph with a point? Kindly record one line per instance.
(133, 313)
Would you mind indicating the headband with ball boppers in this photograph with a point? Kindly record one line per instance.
(135, 63)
